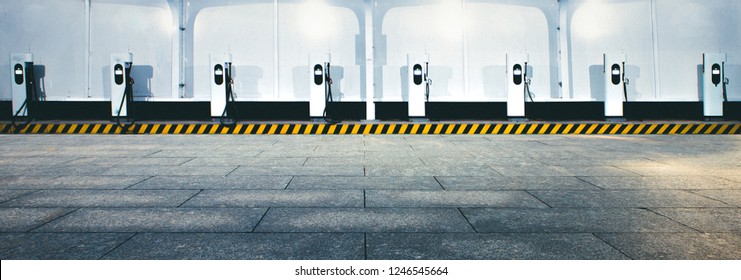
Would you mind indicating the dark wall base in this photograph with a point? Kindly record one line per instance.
(386, 111)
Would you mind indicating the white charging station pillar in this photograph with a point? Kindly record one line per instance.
(120, 70)
(516, 81)
(318, 85)
(713, 80)
(418, 79)
(21, 87)
(614, 74)
(220, 75)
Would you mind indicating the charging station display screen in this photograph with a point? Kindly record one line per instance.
(616, 72)
(18, 71)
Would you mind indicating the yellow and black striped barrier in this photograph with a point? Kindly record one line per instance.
(377, 128)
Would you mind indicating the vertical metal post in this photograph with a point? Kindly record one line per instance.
(370, 107)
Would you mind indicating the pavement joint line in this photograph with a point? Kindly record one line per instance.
(705, 196)
(364, 200)
(289, 182)
(52, 220)
(150, 155)
(467, 221)
(119, 245)
(683, 224)
(585, 181)
(538, 198)
(438, 182)
(616, 248)
(186, 201)
(305, 161)
(261, 218)
(20, 196)
(139, 182)
(230, 172)
(626, 170)
(187, 161)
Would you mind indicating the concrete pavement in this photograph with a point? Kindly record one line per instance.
(370, 197)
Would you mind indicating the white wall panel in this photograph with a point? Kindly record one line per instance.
(142, 27)
(246, 31)
(687, 31)
(54, 32)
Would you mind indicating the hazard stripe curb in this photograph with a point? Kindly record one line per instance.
(381, 128)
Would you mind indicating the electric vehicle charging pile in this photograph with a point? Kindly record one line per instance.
(518, 86)
(223, 103)
(321, 101)
(419, 85)
(22, 87)
(714, 84)
(616, 85)
(122, 87)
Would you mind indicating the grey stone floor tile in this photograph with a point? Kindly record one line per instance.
(568, 220)
(668, 170)
(157, 220)
(407, 198)
(732, 197)
(198, 152)
(296, 161)
(662, 182)
(241, 246)
(513, 183)
(6, 195)
(363, 183)
(422, 170)
(276, 198)
(624, 198)
(541, 171)
(300, 152)
(677, 246)
(736, 179)
(69, 182)
(461, 246)
(214, 182)
(103, 198)
(29, 160)
(104, 161)
(596, 170)
(312, 161)
(153, 170)
(706, 219)
(66, 170)
(24, 219)
(363, 220)
(335, 170)
(58, 246)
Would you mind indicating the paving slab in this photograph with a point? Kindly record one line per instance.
(25, 219)
(241, 246)
(58, 246)
(214, 182)
(624, 198)
(313, 161)
(65, 170)
(732, 197)
(519, 171)
(102, 198)
(683, 170)
(276, 198)
(31, 160)
(462, 246)
(567, 220)
(406, 198)
(424, 170)
(363, 220)
(105, 161)
(513, 183)
(202, 151)
(6, 195)
(736, 179)
(157, 220)
(705, 219)
(662, 182)
(676, 246)
(153, 170)
(296, 161)
(333, 170)
(363, 183)
(69, 182)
